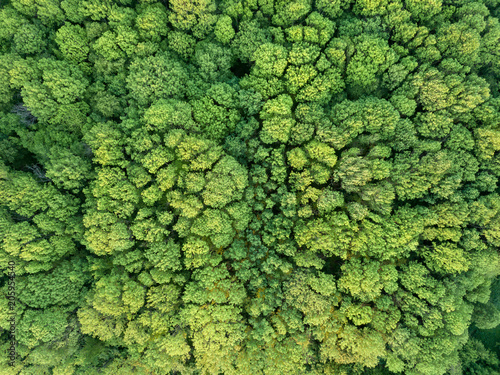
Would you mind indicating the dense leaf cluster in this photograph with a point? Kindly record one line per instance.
(250, 186)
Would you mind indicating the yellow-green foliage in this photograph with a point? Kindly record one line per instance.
(249, 187)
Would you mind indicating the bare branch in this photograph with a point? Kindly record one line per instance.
(26, 117)
(37, 171)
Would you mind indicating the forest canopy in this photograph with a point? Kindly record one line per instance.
(250, 187)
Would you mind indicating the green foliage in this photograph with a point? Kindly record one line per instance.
(249, 38)
(373, 57)
(224, 30)
(288, 12)
(29, 39)
(250, 187)
(73, 43)
(156, 77)
(277, 121)
(39, 224)
(197, 16)
(270, 60)
(150, 22)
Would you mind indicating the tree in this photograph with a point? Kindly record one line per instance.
(73, 43)
(224, 30)
(29, 39)
(249, 37)
(277, 119)
(249, 187)
(151, 21)
(195, 15)
(373, 57)
(40, 227)
(156, 77)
